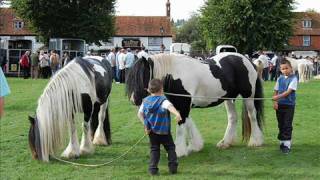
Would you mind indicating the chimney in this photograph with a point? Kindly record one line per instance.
(168, 8)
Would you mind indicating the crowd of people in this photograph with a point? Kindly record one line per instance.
(42, 64)
(122, 59)
(271, 66)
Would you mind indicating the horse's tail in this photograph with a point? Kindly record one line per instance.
(259, 106)
(106, 125)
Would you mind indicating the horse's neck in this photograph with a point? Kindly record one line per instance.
(168, 64)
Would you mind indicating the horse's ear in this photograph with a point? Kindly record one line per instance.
(143, 58)
(31, 119)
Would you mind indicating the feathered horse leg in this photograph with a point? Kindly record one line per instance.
(256, 137)
(86, 146)
(72, 150)
(195, 143)
(99, 136)
(230, 134)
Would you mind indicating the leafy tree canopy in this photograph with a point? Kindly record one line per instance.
(189, 32)
(247, 24)
(92, 20)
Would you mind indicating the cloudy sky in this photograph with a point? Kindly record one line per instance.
(182, 9)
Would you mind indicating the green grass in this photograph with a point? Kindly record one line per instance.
(238, 162)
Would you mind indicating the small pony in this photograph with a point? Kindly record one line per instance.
(201, 84)
(84, 86)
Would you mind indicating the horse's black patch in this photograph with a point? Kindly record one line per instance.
(86, 106)
(182, 104)
(236, 76)
(217, 73)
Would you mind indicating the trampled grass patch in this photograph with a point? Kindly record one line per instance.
(237, 162)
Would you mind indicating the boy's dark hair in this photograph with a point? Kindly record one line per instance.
(284, 61)
(154, 86)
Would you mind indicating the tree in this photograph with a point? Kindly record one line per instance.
(92, 20)
(247, 24)
(189, 32)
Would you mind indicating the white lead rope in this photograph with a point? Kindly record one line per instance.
(206, 97)
(103, 164)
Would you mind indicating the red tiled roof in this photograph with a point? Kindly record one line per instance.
(125, 25)
(7, 26)
(143, 26)
(315, 21)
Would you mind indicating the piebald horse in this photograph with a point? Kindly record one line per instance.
(84, 86)
(203, 83)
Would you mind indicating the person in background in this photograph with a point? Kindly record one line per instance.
(112, 59)
(265, 59)
(45, 70)
(122, 61)
(25, 64)
(54, 62)
(129, 60)
(34, 65)
(65, 58)
(284, 103)
(154, 114)
(143, 53)
(4, 91)
(162, 48)
(273, 70)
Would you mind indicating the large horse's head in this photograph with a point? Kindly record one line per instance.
(137, 80)
(34, 138)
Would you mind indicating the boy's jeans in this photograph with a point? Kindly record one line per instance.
(168, 144)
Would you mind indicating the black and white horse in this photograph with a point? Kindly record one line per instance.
(84, 86)
(227, 75)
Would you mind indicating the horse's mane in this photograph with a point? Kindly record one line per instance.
(167, 63)
(58, 104)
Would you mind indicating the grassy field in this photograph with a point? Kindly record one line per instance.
(238, 162)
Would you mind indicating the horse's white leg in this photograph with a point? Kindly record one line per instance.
(72, 149)
(181, 144)
(256, 138)
(86, 146)
(230, 133)
(196, 141)
(99, 136)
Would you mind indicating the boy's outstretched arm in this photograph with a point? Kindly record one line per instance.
(174, 111)
(140, 116)
(276, 96)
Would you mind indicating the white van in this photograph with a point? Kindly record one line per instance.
(180, 48)
(225, 48)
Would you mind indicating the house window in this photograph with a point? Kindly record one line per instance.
(155, 41)
(306, 41)
(307, 23)
(18, 24)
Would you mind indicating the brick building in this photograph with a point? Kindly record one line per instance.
(306, 38)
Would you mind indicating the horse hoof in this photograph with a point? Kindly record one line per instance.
(100, 142)
(223, 145)
(181, 153)
(86, 151)
(254, 144)
(70, 155)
